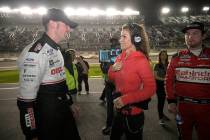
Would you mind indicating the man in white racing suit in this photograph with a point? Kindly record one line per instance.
(46, 112)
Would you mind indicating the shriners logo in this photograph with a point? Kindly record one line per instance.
(193, 75)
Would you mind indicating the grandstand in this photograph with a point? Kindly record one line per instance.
(94, 32)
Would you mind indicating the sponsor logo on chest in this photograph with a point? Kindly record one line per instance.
(193, 75)
(53, 63)
(185, 58)
(56, 70)
(50, 52)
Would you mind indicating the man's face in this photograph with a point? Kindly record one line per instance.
(62, 30)
(193, 38)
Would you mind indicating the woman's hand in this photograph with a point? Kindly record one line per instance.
(117, 66)
(118, 103)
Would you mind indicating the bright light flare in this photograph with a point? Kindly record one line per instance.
(70, 11)
(25, 10)
(129, 11)
(15, 10)
(165, 10)
(40, 10)
(205, 8)
(96, 12)
(82, 12)
(184, 9)
(5, 9)
(112, 12)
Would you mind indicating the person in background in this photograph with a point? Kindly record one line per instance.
(109, 86)
(71, 72)
(46, 112)
(107, 91)
(83, 68)
(104, 68)
(134, 82)
(160, 72)
(188, 84)
(104, 65)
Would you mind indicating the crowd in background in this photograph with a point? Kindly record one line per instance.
(93, 36)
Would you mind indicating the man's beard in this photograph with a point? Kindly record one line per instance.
(193, 45)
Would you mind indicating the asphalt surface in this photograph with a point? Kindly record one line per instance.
(91, 120)
(92, 114)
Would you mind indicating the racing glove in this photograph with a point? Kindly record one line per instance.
(28, 115)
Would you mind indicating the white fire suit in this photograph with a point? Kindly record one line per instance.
(43, 89)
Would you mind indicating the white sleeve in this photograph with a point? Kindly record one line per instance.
(22, 55)
(30, 74)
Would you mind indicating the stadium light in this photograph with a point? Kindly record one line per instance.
(25, 10)
(184, 9)
(112, 12)
(165, 10)
(82, 12)
(40, 10)
(96, 12)
(205, 8)
(5, 9)
(15, 10)
(129, 11)
(70, 11)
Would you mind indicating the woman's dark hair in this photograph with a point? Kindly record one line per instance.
(159, 59)
(135, 28)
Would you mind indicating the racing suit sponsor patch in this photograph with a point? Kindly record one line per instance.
(29, 59)
(50, 52)
(203, 57)
(193, 75)
(185, 57)
(52, 62)
(29, 118)
(56, 70)
(38, 47)
(29, 65)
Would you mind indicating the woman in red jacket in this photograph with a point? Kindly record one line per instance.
(134, 81)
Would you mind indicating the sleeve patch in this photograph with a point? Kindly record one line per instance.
(36, 48)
